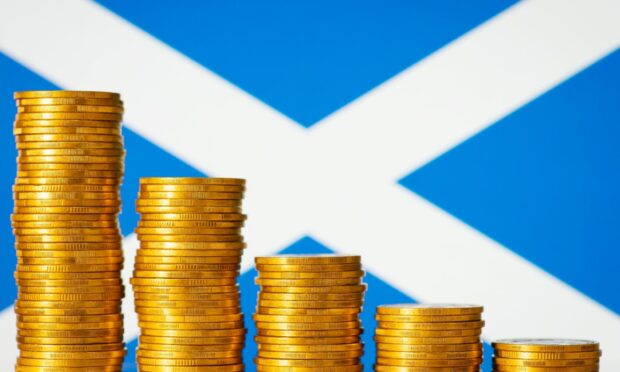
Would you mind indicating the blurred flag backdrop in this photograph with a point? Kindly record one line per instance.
(469, 151)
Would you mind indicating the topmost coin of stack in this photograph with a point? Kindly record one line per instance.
(434, 337)
(551, 355)
(185, 277)
(307, 317)
(68, 243)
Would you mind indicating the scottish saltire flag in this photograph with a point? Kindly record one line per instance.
(469, 151)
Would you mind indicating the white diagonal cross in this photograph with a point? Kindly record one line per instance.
(337, 181)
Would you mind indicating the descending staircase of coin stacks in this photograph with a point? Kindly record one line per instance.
(67, 238)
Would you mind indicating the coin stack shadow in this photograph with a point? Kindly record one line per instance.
(307, 316)
(185, 277)
(418, 337)
(67, 237)
(516, 355)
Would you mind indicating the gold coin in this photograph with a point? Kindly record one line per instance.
(551, 363)
(65, 304)
(190, 238)
(187, 311)
(185, 274)
(309, 290)
(69, 101)
(66, 203)
(381, 368)
(64, 224)
(186, 267)
(188, 260)
(68, 268)
(190, 181)
(67, 238)
(220, 368)
(427, 333)
(310, 348)
(427, 340)
(185, 231)
(111, 368)
(232, 205)
(67, 124)
(189, 362)
(305, 318)
(309, 268)
(74, 290)
(306, 362)
(546, 345)
(54, 217)
(70, 109)
(429, 355)
(187, 354)
(68, 116)
(191, 340)
(429, 362)
(194, 332)
(191, 188)
(313, 312)
(85, 173)
(65, 167)
(353, 368)
(192, 326)
(321, 355)
(71, 296)
(70, 284)
(65, 276)
(310, 296)
(310, 333)
(413, 348)
(119, 153)
(187, 304)
(65, 94)
(310, 275)
(189, 253)
(428, 309)
(187, 210)
(305, 259)
(67, 231)
(70, 333)
(190, 195)
(432, 326)
(186, 246)
(306, 282)
(428, 318)
(73, 355)
(545, 369)
(66, 210)
(187, 290)
(189, 319)
(192, 224)
(182, 282)
(68, 137)
(72, 348)
(116, 318)
(69, 145)
(116, 309)
(68, 326)
(263, 340)
(311, 304)
(546, 355)
(68, 255)
(68, 246)
(186, 297)
(69, 362)
(308, 326)
(67, 130)
(190, 348)
(193, 217)
(67, 188)
(71, 159)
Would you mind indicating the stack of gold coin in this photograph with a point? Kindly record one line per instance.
(434, 337)
(67, 238)
(185, 277)
(550, 355)
(307, 316)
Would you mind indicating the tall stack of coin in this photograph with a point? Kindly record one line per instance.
(436, 337)
(68, 243)
(539, 355)
(185, 278)
(307, 316)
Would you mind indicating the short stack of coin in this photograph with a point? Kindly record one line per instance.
(68, 242)
(434, 337)
(550, 355)
(307, 316)
(185, 277)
